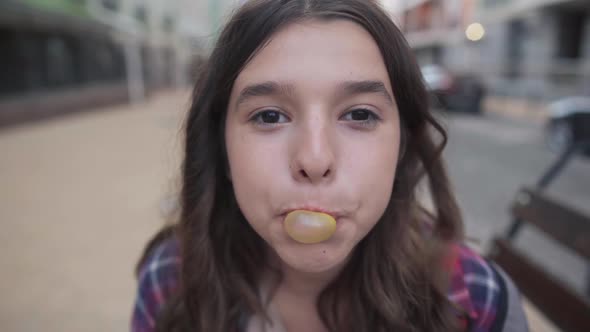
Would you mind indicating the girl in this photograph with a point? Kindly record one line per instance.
(307, 137)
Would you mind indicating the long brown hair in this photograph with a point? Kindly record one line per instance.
(395, 278)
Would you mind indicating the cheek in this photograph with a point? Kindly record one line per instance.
(253, 166)
(378, 186)
(253, 161)
(374, 171)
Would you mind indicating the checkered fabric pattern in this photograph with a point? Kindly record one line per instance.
(158, 279)
(474, 288)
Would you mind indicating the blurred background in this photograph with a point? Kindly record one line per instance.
(92, 97)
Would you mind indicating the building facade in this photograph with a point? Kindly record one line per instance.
(75, 54)
(535, 49)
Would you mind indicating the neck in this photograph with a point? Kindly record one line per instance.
(293, 297)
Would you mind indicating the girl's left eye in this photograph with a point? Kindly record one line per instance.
(361, 116)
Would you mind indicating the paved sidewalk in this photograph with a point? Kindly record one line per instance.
(80, 195)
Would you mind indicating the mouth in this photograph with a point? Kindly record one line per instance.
(334, 213)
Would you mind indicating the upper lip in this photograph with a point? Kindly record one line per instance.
(333, 212)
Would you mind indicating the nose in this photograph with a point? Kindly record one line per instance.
(313, 156)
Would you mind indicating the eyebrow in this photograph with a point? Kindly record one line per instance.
(264, 89)
(270, 88)
(369, 86)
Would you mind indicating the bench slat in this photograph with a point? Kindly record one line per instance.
(564, 224)
(561, 305)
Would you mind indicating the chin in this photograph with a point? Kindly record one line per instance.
(313, 258)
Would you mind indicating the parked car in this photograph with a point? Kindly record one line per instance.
(568, 123)
(451, 91)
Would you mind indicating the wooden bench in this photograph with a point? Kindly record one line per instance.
(570, 229)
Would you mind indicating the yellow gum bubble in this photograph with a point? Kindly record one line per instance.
(309, 227)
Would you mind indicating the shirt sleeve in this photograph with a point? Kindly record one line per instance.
(482, 290)
(158, 281)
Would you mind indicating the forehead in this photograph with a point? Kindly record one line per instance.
(316, 54)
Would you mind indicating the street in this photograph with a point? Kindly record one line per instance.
(81, 195)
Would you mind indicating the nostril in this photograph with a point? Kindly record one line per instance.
(305, 175)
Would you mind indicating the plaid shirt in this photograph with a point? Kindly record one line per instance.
(474, 287)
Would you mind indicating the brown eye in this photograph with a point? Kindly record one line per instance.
(269, 117)
(362, 117)
(359, 115)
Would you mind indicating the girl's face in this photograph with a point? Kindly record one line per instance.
(312, 124)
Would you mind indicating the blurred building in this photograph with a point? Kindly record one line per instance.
(50, 45)
(65, 55)
(434, 28)
(529, 48)
(536, 48)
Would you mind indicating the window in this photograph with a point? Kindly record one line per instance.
(570, 30)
